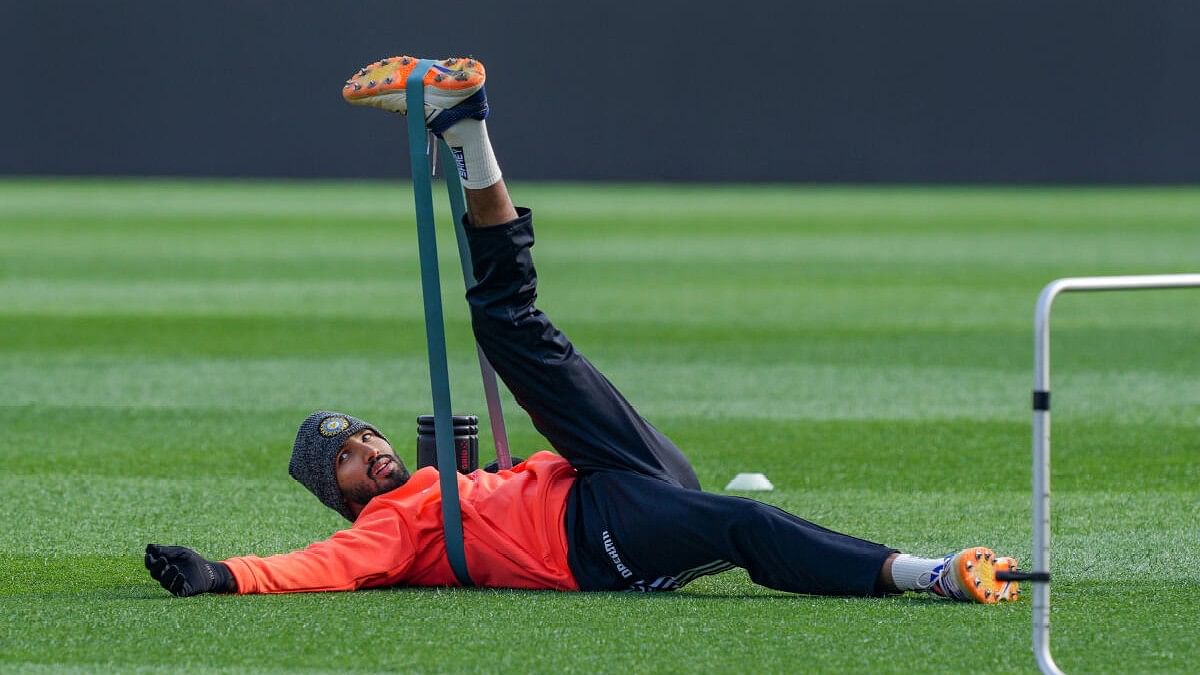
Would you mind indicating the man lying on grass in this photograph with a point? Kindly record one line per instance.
(619, 508)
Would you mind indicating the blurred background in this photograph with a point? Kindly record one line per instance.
(827, 91)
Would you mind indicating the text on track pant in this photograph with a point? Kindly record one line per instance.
(636, 517)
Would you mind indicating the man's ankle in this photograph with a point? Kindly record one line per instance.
(490, 206)
(477, 165)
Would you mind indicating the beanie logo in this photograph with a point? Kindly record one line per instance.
(334, 425)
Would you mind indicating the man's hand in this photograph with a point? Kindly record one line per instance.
(184, 572)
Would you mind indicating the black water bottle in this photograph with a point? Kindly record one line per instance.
(466, 442)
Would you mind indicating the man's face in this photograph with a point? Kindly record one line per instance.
(366, 466)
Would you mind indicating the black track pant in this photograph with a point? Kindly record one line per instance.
(636, 517)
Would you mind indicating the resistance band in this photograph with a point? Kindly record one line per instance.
(435, 330)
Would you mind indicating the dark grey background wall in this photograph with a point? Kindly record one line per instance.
(829, 90)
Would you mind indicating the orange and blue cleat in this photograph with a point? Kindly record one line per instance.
(453, 89)
(970, 576)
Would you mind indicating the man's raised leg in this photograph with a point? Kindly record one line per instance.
(570, 402)
(575, 407)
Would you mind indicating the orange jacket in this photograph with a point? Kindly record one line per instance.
(513, 530)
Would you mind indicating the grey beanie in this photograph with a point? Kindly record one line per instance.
(319, 438)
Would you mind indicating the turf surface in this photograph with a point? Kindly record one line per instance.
(868, 349)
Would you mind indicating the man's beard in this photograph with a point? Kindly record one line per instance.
(394, 478)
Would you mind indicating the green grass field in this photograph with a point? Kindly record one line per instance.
(869, 349)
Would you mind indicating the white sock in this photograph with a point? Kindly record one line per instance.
(477, 167)
(911, 573)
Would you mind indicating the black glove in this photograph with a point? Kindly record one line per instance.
(495, 466)
(184, 572)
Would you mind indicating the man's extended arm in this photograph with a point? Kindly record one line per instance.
(376, 552)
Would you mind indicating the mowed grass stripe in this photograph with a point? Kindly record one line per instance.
(717, 208)
(1077, 349)
(711, 390)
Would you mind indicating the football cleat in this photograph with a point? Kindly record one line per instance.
(968, 576)
(453, 89)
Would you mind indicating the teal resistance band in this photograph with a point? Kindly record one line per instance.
(491, 392)
(435, 330)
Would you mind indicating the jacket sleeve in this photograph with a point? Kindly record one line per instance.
(375, 552)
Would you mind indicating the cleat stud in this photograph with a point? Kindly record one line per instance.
(357, 86)
(978, 582)
(372, 83)
(383, 62)
(970, 565)
(404, 61)
(387, 80)
(439, 78)
(978, 554)
(451, 62)
(987, 594)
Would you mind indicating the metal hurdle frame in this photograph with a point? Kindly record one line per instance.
(1040, 575)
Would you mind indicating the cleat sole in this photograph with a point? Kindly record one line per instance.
(975, 574)
(449, 81)
(1006, 591)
